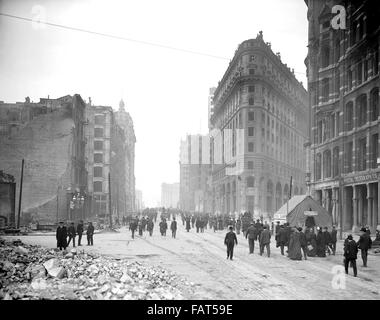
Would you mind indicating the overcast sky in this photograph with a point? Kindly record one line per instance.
(165, 91)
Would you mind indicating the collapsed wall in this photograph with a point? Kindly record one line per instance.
(45, 143)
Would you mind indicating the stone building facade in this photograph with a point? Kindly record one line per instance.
(260, 114)
(343, 84)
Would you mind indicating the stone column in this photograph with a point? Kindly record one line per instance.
(355, 208)
(334, 206)
(369, 206)
(361, 207)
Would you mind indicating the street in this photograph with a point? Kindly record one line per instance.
(201, 258)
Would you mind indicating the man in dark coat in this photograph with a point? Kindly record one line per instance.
(303, 242)
(230, 240)
(192, 221)
(133, 226)
(295, 245)
(265, 241)
(198, 223)
(90, 234)
(163, 227)
(327, 237)
(321, 244)
(251, 235)
(282, 238)
(364, 244)
(173, 227)
(71, 233)
(188, 222)
(350, 254)
(288, 230)
(333, 237)
(80, 231)
(61, 236)
(277, 231)
(149, 226)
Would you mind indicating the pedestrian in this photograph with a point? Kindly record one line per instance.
(188, 226)
(61, 236)
(80, 232)
(350, 254)
(71, 234)
(282, 238)
(90, 234)
(327, 238)
(303, 243)
(265, 241)
(276, 232)
(230, 240)
(333, 237)
(364, 244)
(133, 226)
(140, 227)
(288, 230)
(192, 221)
(163, 226)
(198, 224)
(173, 227)
(238, 226)
(149, 226)
(311, 240)
(321, 245)
(295, 245)
(251, 234)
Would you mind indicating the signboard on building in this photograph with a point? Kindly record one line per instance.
(310, 213)
(365, 178)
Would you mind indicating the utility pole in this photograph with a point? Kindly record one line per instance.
(109, 198)
(289, 196)
(20, 195)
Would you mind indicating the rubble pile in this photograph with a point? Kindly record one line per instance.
(32, 272)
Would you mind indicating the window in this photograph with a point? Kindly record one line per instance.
(376, 63)
(349, 79)
(252, 58)
(349, 116)
(318, 167)
(362, 156)
(251, 101)
(250, 165)
(98, 172)
(98, 186)
(98, 157)
(360, 73)
(375, 139)
(100, 119)
(98, 132)
(251, 131)
(250, 182)
(251, 89)
(374, 98)
(361, 105)
(251, 71)
(263, 118)
(251, 147)
(325, 56)
(327, 164)
(349, 152)
(325, 90)
(98, 145)
(251, 115)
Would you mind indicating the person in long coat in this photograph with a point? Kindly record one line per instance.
(265, 241)
(61, 236)
(71, 232)
(80, 232)
(90, 234)
(163, 227)
(350, 254)
(282, 238)
(321, 244)
(364, 244)
(311, 240)
(295, 245)
(188, 226)
(173, 227)
(149, 226)
(303, 243)
(251, 235)
(230, 240)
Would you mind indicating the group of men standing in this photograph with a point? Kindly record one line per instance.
(64, 234)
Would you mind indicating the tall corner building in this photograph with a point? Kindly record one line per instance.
(343, 84)
(259, 124)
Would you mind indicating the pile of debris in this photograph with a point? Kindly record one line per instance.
(32, 272)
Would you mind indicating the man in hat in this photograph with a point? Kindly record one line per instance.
(303, 242)
(80, 232)
(230, 240)
(282, 238)
(350, 254)
(251, 235)
(364, 244)
(173, 227)
(90, 234)
(265, 240)
(61, 236)
(71, 233)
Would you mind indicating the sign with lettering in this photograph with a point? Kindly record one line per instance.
(371, 177)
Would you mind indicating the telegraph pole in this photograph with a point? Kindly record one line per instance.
(109, 198)
(20, 195)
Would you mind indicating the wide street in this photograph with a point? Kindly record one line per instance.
(201, 258)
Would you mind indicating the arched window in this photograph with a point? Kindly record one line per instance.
(374, 98)
(318, 166)
(361, 109)
(327, 164)
(336, 161)
(349, 116)
(325, 56)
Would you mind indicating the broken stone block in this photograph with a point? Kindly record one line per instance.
(22, 250)
(39, 284)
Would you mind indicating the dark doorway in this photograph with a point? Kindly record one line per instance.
(310, 222)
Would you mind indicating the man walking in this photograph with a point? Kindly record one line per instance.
(364, 244)
(80, 232)
(150, 226)
(327, 237)
(90, 234)
(265, 241)
(61, 236)
(350, 254)
(230, 240)
(133, 227)
(173, 227)
(71, 233)
(251, 234)
(333, 237)
(303, 242)
(282, 238)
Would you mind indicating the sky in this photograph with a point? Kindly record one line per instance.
(165, 90)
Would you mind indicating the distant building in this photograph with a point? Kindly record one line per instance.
(343, 84)
(139, 200)
(170, 195)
